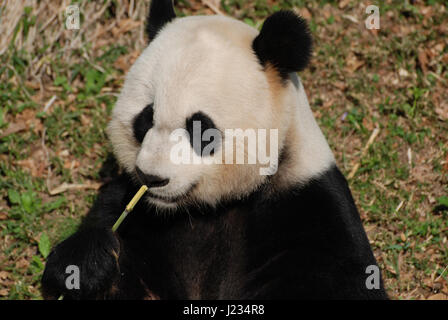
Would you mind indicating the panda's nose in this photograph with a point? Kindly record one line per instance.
(150, 180)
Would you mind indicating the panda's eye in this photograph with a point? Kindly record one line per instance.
(143, 122)
(201, 120)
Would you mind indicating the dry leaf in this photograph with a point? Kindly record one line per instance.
(305, 13)
(438, 296)
(367, 123)
(402, 237)
(426, 11)
(73, 164)
(66, 186)
(213, 5)
(13, 128)
(353, 64)
(35, 164)
(32, 85)
(22, 264)
(343, 3)
(424, 173)
(442, 110)
(124, 26)
(403, 73)
(30, 166)
(340, 85)
(423, 60)
(370, 230)
(439, 47)
(123, 63)
(326, 11)
(28, 117)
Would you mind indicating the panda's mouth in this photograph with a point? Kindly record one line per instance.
(172, 199)
(167, 199)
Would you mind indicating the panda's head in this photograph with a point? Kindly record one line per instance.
(222, 74)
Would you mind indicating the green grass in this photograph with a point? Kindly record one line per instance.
(75, 124)
(403, 203)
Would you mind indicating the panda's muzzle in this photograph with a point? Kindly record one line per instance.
(151, 181)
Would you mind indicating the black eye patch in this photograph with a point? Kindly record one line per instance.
(205, 124)
(143, 122)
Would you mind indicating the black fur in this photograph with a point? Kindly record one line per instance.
(160, 13)
(206, 123)
(307, 243)
(95, 252)
(285, 42)
(143, 122)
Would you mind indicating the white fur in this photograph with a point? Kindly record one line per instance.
(206, 64)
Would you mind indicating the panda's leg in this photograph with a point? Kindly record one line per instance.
(87, 264)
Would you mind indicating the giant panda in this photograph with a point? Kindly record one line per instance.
(218, 230)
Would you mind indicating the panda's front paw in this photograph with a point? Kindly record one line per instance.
(84, 266)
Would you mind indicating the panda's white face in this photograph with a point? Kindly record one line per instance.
(201, 68)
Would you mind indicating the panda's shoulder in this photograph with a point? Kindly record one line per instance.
(321, 203)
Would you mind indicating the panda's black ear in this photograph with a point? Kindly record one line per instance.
(285, 42)
(160, 13)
